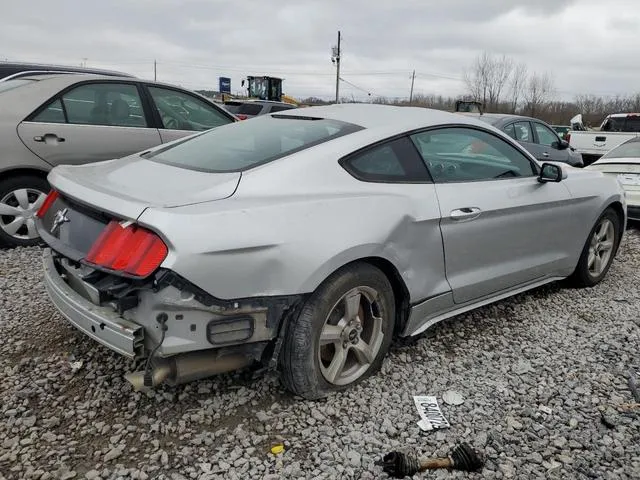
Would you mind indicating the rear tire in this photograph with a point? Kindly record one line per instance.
(20, 198)
(599, 250)
(342, 333)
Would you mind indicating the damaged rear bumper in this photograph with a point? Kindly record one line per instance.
(123, 315)
(100, 323)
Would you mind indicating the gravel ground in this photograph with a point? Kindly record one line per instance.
(536, 372)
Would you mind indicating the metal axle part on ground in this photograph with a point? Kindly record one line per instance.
(401, 465)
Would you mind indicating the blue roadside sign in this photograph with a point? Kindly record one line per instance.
(224, 84)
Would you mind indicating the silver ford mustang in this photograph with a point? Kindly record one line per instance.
(307, 240)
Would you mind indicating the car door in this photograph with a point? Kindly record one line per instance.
(548, 141)
(499, 224)
(90, 122)
(179, 114)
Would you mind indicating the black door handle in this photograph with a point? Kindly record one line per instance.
(47, 136)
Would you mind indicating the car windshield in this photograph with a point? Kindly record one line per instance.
(626, 150)
(243, 145)
(11, 84)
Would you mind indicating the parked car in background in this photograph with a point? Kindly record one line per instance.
(48, 120)
(614, 130)
(10, 70)
(562, 131)
(624, 163)
(310, 238)
(536, 136)
(244, 109)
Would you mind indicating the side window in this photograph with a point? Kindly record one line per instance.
(523, 132)
(391, 162)
(181, 111)
(112, 104)
(53, 113)
(511, 131)
(545, 135)
(466, 155)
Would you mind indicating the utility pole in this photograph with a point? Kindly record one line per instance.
(413, 78)
(155, 72)
(336, 59)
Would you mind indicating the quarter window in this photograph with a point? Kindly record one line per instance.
(53, 113)
(545, 135)
(511, 131)
(391, 162)
(181, 111)
(465, 155)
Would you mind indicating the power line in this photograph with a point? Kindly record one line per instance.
(355, 86)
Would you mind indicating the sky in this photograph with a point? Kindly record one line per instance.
(588, 46)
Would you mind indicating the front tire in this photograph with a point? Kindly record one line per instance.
(20, 199)
(599, 250)
(342, 333)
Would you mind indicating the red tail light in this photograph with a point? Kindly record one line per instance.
(567, 137)
(46, 205)
(133, 250)
(242, 117)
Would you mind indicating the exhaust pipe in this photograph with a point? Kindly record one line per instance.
(187, 367)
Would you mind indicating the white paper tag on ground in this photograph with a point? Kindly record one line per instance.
(430, 414)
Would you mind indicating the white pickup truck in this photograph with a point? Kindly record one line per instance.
(615, 129)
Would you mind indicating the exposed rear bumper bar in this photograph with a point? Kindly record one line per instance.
(102, 324)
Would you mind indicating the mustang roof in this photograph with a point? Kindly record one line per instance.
(383, 116)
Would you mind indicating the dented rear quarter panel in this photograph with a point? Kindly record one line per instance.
(292, 223)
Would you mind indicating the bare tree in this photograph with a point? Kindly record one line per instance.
(476, 78)
(487, 79)
(517, 85)
(498, 77)
(538, 93)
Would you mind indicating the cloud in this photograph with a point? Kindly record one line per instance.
(588, 45)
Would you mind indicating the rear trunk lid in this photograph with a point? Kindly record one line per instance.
(92, 195)
(127, 186)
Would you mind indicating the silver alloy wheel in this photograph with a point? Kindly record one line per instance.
(601, 247)
(351, 336)
(18, 212)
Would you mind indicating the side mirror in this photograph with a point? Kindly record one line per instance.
(550, 173)
(560, 145)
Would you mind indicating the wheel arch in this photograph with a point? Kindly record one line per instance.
(401, 292)
(23, 171)
(619, 209)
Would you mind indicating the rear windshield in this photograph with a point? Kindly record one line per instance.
(489, 120)
(629, 149)
(622, 124)
(11, 84)
(243, 145)
(244, 108)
